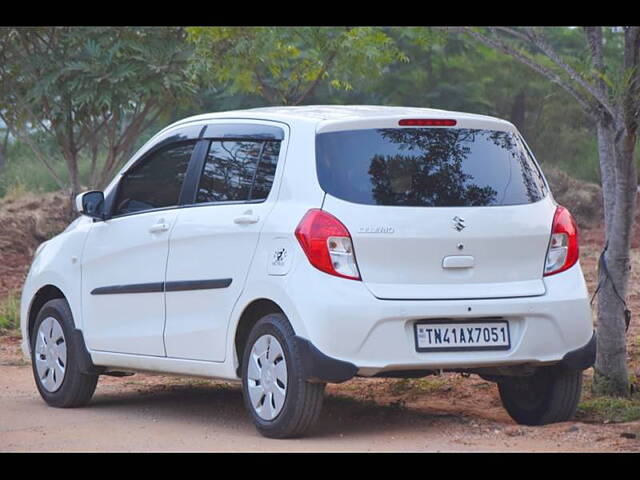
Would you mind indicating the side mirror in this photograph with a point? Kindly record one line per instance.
(91, 204)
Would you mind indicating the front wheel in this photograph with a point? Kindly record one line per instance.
(281, 402)
(54, 358)
(550, 395)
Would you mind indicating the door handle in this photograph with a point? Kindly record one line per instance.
(159, 227)
(246, 219)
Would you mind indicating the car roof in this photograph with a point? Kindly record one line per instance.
(327, 116)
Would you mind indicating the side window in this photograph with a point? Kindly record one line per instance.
(155, 183)
(238, 170)
(266, 171)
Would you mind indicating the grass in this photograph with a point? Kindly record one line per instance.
(15, 191)
(604, 409)
(23, 171)
(610, 409)
(10, 313)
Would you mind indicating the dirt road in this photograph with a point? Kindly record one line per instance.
(162, 413)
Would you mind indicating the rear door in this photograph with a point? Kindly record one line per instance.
(439, 213)
(213, 242)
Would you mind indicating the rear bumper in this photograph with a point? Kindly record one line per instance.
(342, 319)
(319, 367)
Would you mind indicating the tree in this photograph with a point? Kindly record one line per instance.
(90, 90)
(284, 65)
(4, 145)
(450, 72)
(605, 82)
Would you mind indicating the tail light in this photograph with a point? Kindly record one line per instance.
(563, 249)
(327, 244)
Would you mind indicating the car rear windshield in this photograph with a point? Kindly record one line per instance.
(428, 167)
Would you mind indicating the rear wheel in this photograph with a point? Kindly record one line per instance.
(550, 395)
(54, 358)
(282, 404)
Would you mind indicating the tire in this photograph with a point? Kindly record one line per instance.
(263, 373)
(71, 388)
(550, 395)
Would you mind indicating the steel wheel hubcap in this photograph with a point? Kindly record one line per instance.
(267, 377)
(50, 354)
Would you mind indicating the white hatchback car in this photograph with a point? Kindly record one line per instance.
(290, 247)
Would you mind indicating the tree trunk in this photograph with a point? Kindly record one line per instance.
(611, 373)
(518, 110)
(606, 152)
(74, 178)
(3, 151)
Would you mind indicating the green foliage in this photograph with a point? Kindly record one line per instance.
(10, 312)
(285, 64)
(89, 89)
(454, 73)
(24, 172)
(98, 70)
(111, 74)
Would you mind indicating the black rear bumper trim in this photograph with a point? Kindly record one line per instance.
(583, 357)
(319, 367)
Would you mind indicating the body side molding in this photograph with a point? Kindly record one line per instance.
(180, 286)
(156, 287)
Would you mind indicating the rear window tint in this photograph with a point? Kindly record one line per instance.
(428, 167)
(229, 171)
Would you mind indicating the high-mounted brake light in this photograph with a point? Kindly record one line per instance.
(563, 250)
(427, 122)
(327, 244)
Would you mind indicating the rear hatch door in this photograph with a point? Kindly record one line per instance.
(439, 213)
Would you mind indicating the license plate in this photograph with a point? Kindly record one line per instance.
(442, 336)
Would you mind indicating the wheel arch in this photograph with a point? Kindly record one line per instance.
(42, 296)
(253, 312)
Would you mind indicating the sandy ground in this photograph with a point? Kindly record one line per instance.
(163, 413)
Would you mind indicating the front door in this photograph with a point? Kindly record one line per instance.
(125, 257)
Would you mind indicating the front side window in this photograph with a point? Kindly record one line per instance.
(238, 170)
(156, 182)
(428, 167)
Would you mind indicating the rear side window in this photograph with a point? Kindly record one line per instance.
(156, 182)
(266, 171)
(238, 170)
(428, 167)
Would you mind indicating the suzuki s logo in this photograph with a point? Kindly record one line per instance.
(458, 223)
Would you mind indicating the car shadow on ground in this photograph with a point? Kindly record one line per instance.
(222, 404)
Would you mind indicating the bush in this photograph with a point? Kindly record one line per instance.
(10, 312)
